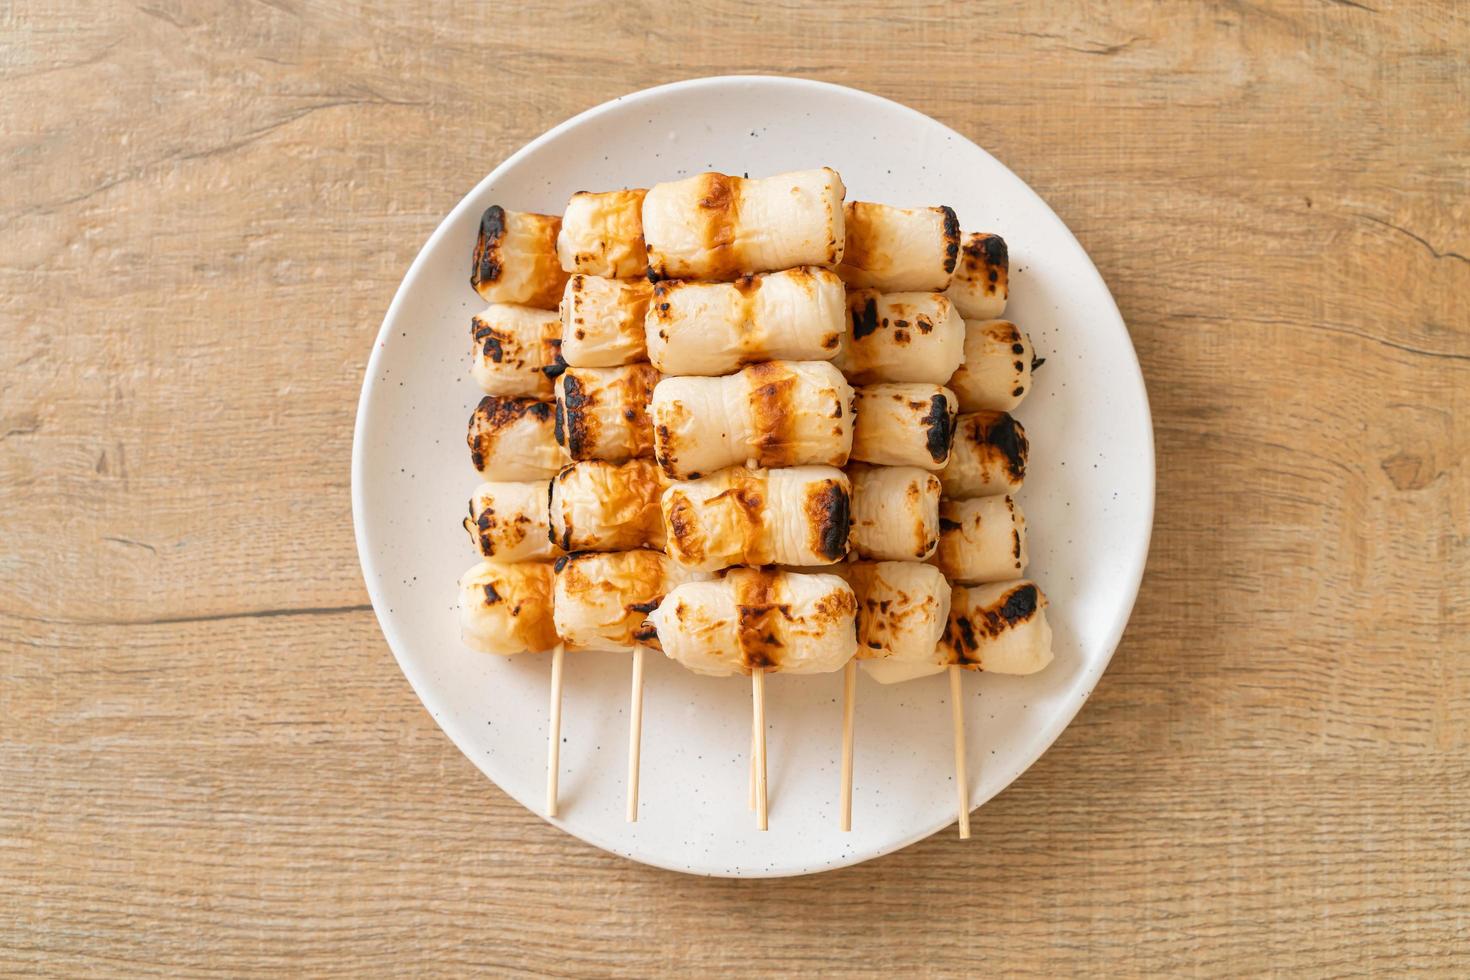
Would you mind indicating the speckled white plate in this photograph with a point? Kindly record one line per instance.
(1088, 499)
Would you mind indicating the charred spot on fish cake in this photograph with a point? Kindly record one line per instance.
(951, 238)
(486, 268)
(829, 514)
(938, 429)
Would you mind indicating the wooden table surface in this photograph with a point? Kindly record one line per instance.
(210, 761)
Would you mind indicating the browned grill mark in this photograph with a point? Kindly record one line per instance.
(759, 617)
(717, 217)
(773, 409)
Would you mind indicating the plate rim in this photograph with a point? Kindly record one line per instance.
(1136, 559)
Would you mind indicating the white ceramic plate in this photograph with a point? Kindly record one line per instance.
(1088, 500)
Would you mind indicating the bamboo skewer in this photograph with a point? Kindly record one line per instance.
(758, 699)
(553, 734)
(750, 799)
(849, 697)
(635, 734)
(961, 780)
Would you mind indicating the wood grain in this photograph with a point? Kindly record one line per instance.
(211, 764)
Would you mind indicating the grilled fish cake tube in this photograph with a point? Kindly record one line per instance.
(506, 608)
(1000, 627)
(996, 373)
(903, 608)
(895, 512)
(602, 234)
(513, 439)
(716, 227)
(982, 539)
(981, 280)
(515, 259)
(507, 522)
(602, 321)
(740, 516)
(602, 413)
(711, 328)
(796, 623)
(596, 505)
(899, 249)
(777, 413)
(901, 337)
(989, 456)
(602, 598)
(516, 350)
(904, 425)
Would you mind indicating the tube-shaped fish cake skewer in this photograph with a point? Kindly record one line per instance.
(796, 623)
(602, 413)
(895, 512)
(996, 373)
(989, 456)
(602, 234)
(514, 439)
(602, 321)
(901, 337)
(904, 425)
(516, 350)
(777, 413)
(1000, 627)
(711, 328)
(981, 280)
(506, 608)
(602, 598)
(515, 259)
(899, 249)
(982, 539)
(903, 608)
(740, 516)
(712, 226)
(601, 506)
(507, 522)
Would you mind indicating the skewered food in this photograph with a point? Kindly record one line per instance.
(981, 281)
(899, 249)
(989, 456)
(903, 607)
(602, 598)
(777, 413)
(904, 425)
(602, 321)
(506, 608)
(741, 516)
(514, 439)
(602, 234)
(507, 522)
(982, 539)
(712, 226)
(711, 328)
(996, 372)
(1000, 627)
(516, 350)
(901, 337)
(895, 512)
(602, 413)
(515, 259)
(596, 505)
(753, 618)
